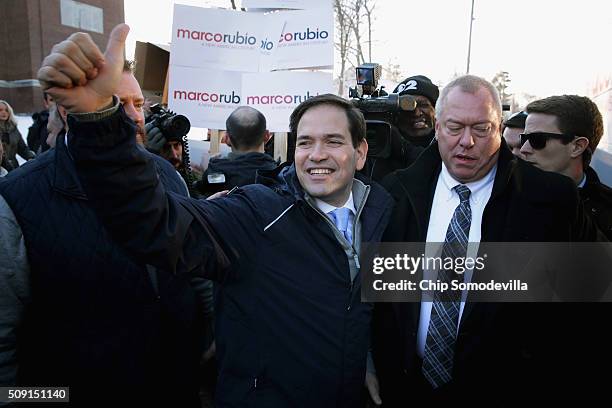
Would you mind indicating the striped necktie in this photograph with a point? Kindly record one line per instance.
(442, 331)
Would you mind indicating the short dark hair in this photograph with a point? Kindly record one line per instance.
(576, 115)
(246, 127)
(357, 125)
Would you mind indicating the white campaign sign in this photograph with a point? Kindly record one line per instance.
(307, 40)
(276, 94)
(285, 4)
(222, 39)
(205, 96)
(220, 59)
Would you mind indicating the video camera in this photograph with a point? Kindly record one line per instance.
(379, 109)
(172, 126)
(175, 127)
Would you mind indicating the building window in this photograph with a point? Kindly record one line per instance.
(83, 16)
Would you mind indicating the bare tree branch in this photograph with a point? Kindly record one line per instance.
(369, 5)
(352, 17)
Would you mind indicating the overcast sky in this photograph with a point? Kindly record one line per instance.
(547, 46)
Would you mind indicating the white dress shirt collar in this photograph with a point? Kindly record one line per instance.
(583, 181)
(476, 187)
(327, 208)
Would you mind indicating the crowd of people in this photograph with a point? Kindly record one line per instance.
(120, 276)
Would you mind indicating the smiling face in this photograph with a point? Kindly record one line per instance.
(468, 132)
(325, 158)
(420, 122)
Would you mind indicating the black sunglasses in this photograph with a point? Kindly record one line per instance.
(538, 140)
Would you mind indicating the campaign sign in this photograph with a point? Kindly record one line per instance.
(307, 40)
(222, 39)
(276, 94)
(205, 96)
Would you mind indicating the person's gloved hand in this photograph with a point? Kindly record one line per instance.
(155, 138)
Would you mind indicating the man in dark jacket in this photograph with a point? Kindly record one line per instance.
(247, 136)
(37, 133)
(513, 127)
(494, 354)
(561, 135)
(412, 131)
(97, 315)
(291, 328)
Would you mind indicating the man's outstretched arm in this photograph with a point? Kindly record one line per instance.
(156, 227)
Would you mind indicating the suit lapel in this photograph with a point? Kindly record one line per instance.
(494, 216)
(418, 183)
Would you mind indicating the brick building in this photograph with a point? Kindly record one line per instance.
(30, 28)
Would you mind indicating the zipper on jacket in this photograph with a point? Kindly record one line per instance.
(348, 307)
(360, 209)
(354, 254)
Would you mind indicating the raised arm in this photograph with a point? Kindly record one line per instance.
(156, 227)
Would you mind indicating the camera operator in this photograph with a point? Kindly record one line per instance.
(167, 137)
(170, 148)
(417, 126)
(400, 125)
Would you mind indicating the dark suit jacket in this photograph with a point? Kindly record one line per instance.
(597, 201)
(504, 351)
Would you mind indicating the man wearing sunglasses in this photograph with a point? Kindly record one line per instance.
(561, 135)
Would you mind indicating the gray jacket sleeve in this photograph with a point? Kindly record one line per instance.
(14, 291)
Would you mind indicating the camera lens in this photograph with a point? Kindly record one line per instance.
(178, 125)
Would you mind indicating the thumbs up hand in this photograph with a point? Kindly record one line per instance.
(79, 77)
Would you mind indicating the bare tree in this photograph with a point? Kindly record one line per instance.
(353, 19)
(368, 6)
(393, 72)
(501, 81)
(344, 40)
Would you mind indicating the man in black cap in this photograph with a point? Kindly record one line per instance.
(413, 131)
(418, 126)
(513, 127)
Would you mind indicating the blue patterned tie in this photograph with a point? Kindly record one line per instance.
(341, 217)
(442, 331)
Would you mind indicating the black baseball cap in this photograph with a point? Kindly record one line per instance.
(517, 120)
